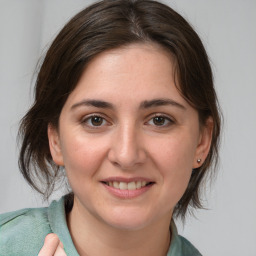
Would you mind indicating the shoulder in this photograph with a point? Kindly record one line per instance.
(187, 248)
(180, 246)
(22, 232)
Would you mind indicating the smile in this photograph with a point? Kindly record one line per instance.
(127, 188)
(127, 185)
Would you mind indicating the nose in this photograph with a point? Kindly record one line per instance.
(127, 150)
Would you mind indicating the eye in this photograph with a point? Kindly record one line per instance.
(94, 121)
(160, 120)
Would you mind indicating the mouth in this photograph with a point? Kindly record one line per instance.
(133, 185)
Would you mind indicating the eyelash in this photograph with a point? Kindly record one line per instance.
(88, 119)
(164, 117)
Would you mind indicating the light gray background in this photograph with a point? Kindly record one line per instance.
(227, 29)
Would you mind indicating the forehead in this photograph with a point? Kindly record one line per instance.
(135, 68)
(129, 80)
(128, 58)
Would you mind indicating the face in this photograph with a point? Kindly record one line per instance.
(128, 139)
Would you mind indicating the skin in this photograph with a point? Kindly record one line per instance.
(133, 138)
(52, 246)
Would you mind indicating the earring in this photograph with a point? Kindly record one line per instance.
(198, 160)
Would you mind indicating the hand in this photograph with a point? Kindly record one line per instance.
(52, 246)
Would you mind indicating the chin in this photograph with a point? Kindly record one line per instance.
(128, 225)
(127, 220)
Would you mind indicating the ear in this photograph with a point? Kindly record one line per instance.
(204, 143)
(54, 144)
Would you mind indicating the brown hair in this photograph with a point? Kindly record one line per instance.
(106, 25)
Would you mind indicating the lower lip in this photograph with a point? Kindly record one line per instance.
(127, 194)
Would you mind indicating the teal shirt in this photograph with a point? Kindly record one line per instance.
(22, 232)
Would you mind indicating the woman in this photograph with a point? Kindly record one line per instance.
(125, 106)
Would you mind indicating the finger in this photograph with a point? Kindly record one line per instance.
(51, 243)
(60, 251)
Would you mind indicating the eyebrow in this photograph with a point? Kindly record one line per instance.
(161, 102)
(144, 105)
(93, 103)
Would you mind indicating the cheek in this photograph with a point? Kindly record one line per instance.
(176, 167)
(82, 157)
(174, 159)
(175, 153)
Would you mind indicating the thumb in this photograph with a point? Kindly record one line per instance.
(51, 243)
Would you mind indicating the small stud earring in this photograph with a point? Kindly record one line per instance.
(198, 160)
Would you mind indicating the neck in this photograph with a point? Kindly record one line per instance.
(93, 237)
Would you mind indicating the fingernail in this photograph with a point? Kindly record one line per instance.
(51, 237)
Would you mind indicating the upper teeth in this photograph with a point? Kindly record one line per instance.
(124, 185)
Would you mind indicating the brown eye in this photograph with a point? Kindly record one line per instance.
(159, 120)
(96, 120)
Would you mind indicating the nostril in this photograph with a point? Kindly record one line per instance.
(126, 154)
